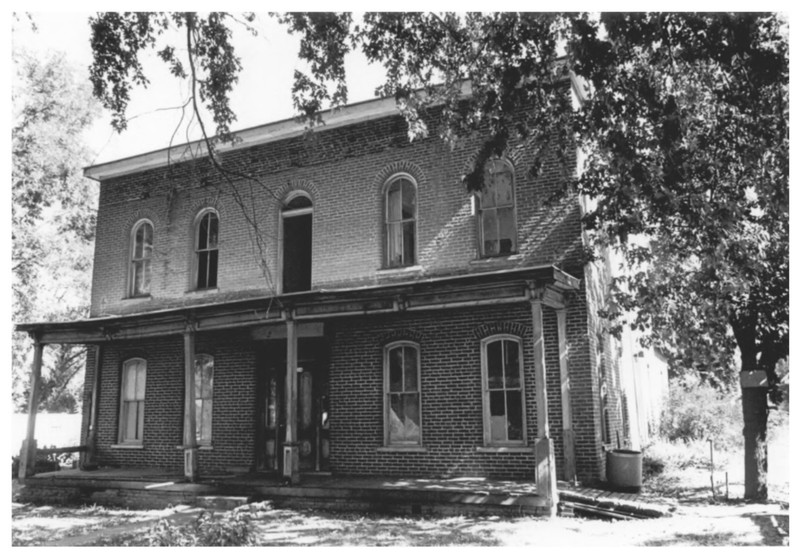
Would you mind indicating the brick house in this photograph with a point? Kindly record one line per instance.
(340, 303)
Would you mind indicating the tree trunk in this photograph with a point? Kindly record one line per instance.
(754, 413)
(754, 410)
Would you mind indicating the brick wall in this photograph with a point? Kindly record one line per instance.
(344, 171)
(604, 383)
(452, 419)
(233, 412)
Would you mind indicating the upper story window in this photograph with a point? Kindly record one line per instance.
(403, 425)
(132, 390)
(206, 250)
(141, 258)
(297, 216)
(496, 210)
(401, 221)
(203, 397)
(503, 391)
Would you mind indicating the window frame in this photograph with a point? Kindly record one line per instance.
(200, 401)
(485, 393)
(481, 210)
(284, 212)
(197, 251)
(387, 394)
(127, 366)
(387, 223)
(133, 261)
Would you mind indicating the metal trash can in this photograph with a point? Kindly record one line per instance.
(624, 470)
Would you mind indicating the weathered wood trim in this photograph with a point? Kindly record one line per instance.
(91, 434)
(189, 426)
(566, 405)
(546, 474)
(291, 465)
(27, 460)
(489, 288)
(540, 372)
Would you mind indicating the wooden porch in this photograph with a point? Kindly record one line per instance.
(452, 496)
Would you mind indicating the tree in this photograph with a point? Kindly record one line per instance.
(52, 219)
(684, 129)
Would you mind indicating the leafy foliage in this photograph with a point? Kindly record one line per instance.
(699, 412)
(118, 39)
(209, 529)
(52, 219)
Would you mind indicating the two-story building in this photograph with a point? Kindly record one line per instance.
(340, 302)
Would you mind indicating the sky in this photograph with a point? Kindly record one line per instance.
(262, 95)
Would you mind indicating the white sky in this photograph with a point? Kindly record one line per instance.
(262, 95)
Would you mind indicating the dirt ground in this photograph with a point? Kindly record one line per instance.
(697, 519)
(695, 522)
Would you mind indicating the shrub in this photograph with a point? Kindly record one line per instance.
(229, 529)
(700, 412)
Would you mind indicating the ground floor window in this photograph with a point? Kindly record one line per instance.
(503, 391)
(403, 426)
(131, 421)
(203, 397)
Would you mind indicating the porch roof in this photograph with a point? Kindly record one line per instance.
(432, 293)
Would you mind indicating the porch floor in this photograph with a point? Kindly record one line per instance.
(463, 495)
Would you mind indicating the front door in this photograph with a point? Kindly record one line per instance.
(312, 406)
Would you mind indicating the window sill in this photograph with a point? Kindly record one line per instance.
(402, 449)
(137, 298)
(203, 447)
(127, 446)
(201, 292)
(504, 449)
(488, 260)
(399, 270)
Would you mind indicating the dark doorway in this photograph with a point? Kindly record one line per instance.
(297, 228)
(312, 405)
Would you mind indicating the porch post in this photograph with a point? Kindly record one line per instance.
(545, 457)
(291, 457)
(27, 458)
(566, 407)
(91, 435)
(189, 426)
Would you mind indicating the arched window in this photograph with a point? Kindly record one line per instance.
(203, 397)
(496, 209)
(401, 221)
(503, 391)
(403, 426)
(141, 258)
(206, 251)
(132, 391)
(297, 216)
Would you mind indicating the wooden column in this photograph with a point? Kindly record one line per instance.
(566, 406)
(89, 460)
(545, 456)
(291, 451)
(189, 414)
(27, 458)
